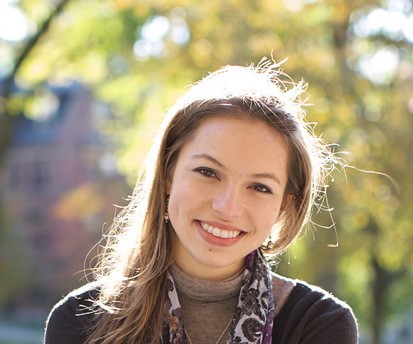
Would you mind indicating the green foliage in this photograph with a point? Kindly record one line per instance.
(15, 258)
(361, 102)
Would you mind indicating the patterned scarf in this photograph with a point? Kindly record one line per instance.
(253, 317)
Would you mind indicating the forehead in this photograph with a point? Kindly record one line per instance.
(239, 141)
(239, 125)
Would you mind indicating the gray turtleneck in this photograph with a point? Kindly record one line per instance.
(207, 306)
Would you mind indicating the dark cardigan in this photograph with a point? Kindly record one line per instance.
(308, 315)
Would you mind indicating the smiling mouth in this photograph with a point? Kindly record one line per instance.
(218, 232)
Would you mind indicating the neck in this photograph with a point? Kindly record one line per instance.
(208, 272)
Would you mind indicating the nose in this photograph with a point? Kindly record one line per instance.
(228, 203)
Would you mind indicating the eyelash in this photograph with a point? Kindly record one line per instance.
(262, 188)
(207, 172)
(210, 173)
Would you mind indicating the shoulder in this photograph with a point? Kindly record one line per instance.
(72, 317)
(310, 314)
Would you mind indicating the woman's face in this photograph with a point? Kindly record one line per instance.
(226, 192)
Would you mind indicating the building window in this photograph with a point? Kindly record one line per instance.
(37, 229)
(41, 175)
(15, 177)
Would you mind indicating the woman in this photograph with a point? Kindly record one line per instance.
(232, 175)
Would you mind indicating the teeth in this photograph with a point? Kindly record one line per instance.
(220, 233)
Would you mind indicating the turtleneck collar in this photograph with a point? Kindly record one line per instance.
(206, 291)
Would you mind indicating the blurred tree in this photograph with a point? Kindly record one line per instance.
(15, 267)
(15, 253)
(356, 56)
(11, 100)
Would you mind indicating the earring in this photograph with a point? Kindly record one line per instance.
(269, 246)
(166, 216)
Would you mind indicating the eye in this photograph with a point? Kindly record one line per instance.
(206, 171)
(262, 188)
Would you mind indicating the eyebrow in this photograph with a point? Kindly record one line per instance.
(208, 157)
(255, 175)
(267, 176)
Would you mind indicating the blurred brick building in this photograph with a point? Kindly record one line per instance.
(58, 187)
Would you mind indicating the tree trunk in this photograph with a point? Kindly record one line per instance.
(7, 119)
(381, 284)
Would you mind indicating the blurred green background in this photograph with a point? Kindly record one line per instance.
(84, 83)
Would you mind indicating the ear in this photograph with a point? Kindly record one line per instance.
(287, 199)
(168, 186)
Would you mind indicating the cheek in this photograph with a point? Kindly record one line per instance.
(270, 212)
(173, 208)
(182, 200)
(267, 218)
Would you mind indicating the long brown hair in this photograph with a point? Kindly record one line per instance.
(132, 271)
